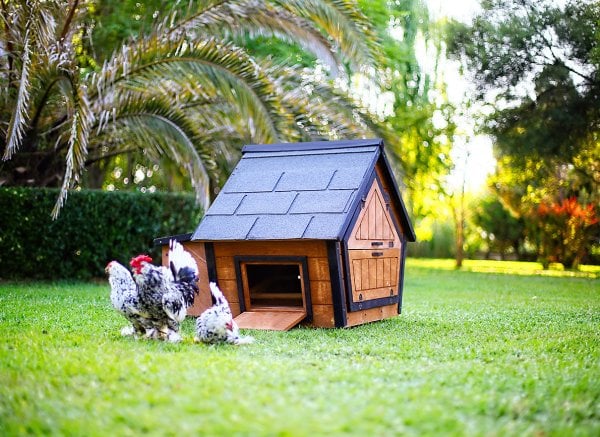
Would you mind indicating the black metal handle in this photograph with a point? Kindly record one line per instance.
(377, 243)
(376, 253)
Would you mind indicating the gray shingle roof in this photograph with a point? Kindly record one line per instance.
(291, 191)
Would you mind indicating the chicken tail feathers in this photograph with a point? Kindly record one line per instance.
(182, 263)
(216, 294)
(188, 290)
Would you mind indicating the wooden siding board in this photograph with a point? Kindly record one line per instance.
(372, 314)
(373, 262)
(225, 268)
(323, 317)
(374, 223)
(321, 292)
(229, 289)
(318, 269)
(311, 248)
(235, 309)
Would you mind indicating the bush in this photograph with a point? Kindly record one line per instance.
(566, 231)
(441, 243)
(93, 228)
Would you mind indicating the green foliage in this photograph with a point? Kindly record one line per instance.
(502, 230)
(113, 22)
(566, 231)
(420, 147)
(96, 228)
(472, 354)
(438, 243)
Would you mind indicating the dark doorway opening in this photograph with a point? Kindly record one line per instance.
(274, 285)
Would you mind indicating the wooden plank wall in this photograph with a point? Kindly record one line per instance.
(371, 315)
(318, 271)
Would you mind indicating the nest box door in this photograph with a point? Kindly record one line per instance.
(374, 254)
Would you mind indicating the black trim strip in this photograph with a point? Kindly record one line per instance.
(211, 264)
(337, 284)
(240, 283)
(401, 279)
(373, 303)
(311, 145)
(163, 241)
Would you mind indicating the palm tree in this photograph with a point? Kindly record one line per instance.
(185, 92)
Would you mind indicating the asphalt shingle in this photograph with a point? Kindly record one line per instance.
(279, 227)
(321, 201)
(231, 227)
(305, 179)
(266, 203)
(252, 181)
(226, 204)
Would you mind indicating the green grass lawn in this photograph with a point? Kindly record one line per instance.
(472, 354)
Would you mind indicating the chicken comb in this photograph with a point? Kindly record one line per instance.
(136, 262)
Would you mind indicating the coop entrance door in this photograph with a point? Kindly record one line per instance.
(274, 292)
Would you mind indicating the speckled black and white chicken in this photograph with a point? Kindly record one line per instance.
(125, 299)
(216, 324)
(165, 293)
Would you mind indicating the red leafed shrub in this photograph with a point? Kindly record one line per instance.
(566, 231)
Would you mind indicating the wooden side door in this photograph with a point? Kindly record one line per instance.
(374, 251)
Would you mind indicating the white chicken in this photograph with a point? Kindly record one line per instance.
(164, 293)
(125, 299)
(216, 324)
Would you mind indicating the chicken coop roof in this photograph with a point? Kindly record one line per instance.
(295, 191)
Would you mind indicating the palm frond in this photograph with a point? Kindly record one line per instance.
(258, 17)
(323, 111)
(77, 143)
(43, 21)
(342, 21)
(184, 93)
(216, 66)
(19, 116)
(162, 131)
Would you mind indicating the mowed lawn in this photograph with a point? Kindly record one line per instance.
(472, 354)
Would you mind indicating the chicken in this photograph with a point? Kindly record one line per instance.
(165, 294)
(125, 299)
(216, 324)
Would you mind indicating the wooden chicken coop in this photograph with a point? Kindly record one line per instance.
(312, 233)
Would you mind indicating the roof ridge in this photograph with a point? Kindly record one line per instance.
(312, 145)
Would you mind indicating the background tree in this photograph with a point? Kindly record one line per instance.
(183, 92)
(413, 104)
(536, 64)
